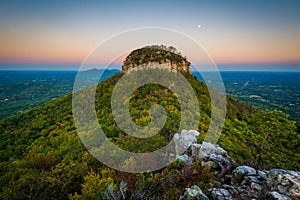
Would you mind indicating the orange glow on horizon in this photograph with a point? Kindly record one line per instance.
(54, 48)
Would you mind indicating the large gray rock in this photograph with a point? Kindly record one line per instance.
(220, 151)
(193, 193)
(252, 179)
(213, 155)
(240, 172)
(262, 174)
(206, 149)
(286, 182)
(194, 133)
(244, 175)
(231, 189)
(196, 150)
(219, 158)
(184, 140)
(203, 150)
(276, 196)
(185, 159)
(220, 194)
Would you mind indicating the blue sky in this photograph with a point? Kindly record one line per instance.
(62, 33)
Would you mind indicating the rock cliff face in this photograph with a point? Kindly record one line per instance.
(150, 56)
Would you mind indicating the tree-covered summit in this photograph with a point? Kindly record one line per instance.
(156, 54)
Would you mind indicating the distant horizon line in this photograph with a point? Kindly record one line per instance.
(281, 67)
(74, 70)
(218, 63)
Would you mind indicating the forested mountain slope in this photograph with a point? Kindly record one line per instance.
(42, 156)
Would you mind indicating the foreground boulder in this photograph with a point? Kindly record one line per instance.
(276, 196)
(184, 140)
(213, 154)
(185, 159)
(244, 175)
(220, 194)
(286, 182)
(193, 193)
(236, 182)
(278, 183)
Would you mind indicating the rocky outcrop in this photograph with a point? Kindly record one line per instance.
(220, 194)
(236, 182)
(277, 183)
(249, 182)
(195, 193)
(276, 196)
(211, 154)
(156, 57)
(184, 140)
(185, 159)
(286, 182)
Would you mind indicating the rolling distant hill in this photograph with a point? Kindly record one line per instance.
(24, 90)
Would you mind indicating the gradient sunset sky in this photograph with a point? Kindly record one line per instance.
(60, 34)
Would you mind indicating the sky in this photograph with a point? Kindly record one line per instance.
(235, 34)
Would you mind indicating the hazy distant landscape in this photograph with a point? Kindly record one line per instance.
(23, 90)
